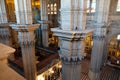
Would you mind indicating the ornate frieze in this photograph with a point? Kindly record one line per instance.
(71, 60)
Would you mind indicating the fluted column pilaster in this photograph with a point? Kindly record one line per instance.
(44, 22)
(23, 11)
(73, 14)
(3, 14)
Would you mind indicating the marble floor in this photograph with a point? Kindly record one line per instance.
(107, 72)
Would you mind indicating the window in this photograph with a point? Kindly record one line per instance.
(118, 37)
(118, 6)
(88, 4)
(55, 8)
(93, 5)
(52, 8)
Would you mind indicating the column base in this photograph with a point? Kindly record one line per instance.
(94, 75)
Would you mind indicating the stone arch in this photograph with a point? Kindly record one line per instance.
(113, 29)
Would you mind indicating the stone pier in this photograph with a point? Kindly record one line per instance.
(99, 24)
(26, 36)
(44, 22)
(3, 14)
(71, 34)
(5, 32)
(26, 39)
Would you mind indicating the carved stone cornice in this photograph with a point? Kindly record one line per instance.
(71, 35)
(24, 28)
(25, 33)
(100, 30)
(115, 24)
(71, 60)
(71, 44)
(44, 24)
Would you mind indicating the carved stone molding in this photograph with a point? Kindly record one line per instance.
(71, 60)
(5, 34)
(71, 35)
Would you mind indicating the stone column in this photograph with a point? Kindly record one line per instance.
(3, 15)
(90, 6)
(38, 34)
(97, 51)
(26, 36)
(100, 24)
(5, 32)
(23, 11)
(27, 41)
(71, 33)
(44, 22)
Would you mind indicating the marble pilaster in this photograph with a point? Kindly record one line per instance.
(44, 22)
(3, 15)
(27, 41)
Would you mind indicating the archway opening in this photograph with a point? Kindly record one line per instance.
(114, 52)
